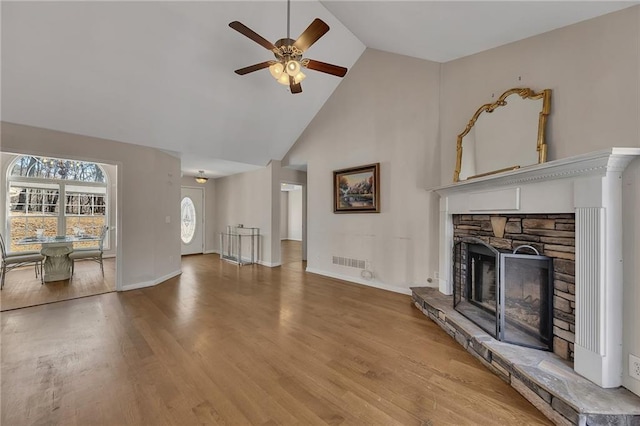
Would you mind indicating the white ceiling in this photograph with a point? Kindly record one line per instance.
(445, 30)
(160, 74)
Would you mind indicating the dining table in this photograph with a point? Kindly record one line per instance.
(57, 265)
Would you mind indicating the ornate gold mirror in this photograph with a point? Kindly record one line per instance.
(504, 135)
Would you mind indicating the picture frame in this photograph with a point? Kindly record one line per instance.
(357, 189)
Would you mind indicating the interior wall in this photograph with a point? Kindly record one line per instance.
(593, 69)
(376, 115)
(149, 240)
(211, 239)
(294, 214)
(284, 215)
(246, 198)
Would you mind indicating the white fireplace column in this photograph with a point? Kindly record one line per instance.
(590, 186)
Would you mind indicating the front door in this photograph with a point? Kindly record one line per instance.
(192, 220)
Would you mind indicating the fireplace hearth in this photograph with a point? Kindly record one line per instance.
(509, 295)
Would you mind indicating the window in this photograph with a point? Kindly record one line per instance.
(85, 209)
(55, 169)
(61, 197)
(188, 220)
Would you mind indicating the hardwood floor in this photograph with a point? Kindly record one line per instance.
(291, 253)
(23, 289)
(222, 344)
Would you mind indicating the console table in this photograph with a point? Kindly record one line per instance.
(239, 245)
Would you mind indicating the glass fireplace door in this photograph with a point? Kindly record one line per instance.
(525, 317)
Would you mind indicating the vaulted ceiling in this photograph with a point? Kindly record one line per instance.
(160, 74)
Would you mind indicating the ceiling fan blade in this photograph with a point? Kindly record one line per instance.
(326, 68)
(295, 88)
(252, 68)
(248, 32)
(313, 32)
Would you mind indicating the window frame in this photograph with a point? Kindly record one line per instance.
(42, 183)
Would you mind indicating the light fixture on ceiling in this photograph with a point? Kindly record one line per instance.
(201, 178)
(286, 68)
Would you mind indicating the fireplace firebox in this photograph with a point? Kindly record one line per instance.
(509, 295)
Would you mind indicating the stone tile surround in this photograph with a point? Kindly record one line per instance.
(553, 235)
(543, 378)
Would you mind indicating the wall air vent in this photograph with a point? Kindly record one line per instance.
(351, 263)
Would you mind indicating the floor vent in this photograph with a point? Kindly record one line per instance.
(351, 263)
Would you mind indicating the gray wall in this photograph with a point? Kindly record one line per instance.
(248, 198)
(284, 215)
(591, 67)
(375, 115)
(294, 215)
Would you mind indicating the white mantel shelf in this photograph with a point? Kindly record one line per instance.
(595, 163)
(589, 186)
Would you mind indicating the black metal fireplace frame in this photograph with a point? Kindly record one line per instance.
(500, 318)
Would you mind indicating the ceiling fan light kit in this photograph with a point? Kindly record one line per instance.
(287, 68)
(293, 68)
(276, 70)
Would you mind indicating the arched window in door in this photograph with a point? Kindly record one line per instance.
(59, 196)
(187, 220)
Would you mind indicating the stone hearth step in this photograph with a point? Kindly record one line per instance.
(543, 378)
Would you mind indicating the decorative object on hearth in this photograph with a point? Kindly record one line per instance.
(357, 189)
(500, 136)
(287, 67)
(498, 224)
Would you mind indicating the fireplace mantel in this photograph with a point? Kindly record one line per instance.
(596, 163)
(590, 186)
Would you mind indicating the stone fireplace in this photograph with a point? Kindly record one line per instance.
(583, 193)
(538, 280)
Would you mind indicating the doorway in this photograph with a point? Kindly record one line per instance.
(291, 223)
(192, 220)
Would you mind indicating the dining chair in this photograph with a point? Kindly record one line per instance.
(16, 260)
(94, 254)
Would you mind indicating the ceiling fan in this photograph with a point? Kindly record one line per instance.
(286, 68)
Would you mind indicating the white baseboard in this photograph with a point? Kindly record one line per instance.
(268, 264)
(360, 281)
(211, 252)
(151, 283)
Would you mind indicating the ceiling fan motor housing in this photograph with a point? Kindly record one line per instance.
(286, 50)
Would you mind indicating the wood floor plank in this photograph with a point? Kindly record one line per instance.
(22, 288)
(227, 345)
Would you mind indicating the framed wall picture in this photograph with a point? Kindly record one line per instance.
(357, 190)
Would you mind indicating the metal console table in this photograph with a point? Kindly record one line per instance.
(239, 245)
